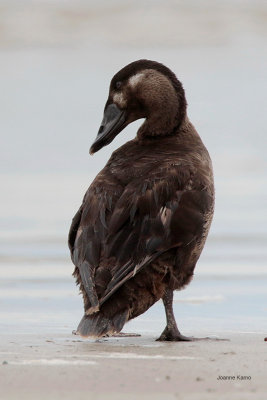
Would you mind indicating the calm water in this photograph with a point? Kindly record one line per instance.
(53, 90)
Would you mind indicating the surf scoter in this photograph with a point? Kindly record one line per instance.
(145, 218)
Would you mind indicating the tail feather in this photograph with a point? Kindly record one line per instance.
(97, 325)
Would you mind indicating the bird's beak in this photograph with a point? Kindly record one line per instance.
(113, 122)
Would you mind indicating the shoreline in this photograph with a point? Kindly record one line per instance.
(57, 366)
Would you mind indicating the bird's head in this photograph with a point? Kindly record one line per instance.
(142, 89)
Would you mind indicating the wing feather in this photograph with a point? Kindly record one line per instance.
(119, 232)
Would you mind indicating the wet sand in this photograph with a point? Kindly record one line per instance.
(40, 358)
(59, 366)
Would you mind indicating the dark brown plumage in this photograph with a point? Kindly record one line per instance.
(144, 220)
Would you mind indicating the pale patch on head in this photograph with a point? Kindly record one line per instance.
(135, 79)
(119, 99)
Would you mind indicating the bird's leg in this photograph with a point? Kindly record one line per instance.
(171, 333)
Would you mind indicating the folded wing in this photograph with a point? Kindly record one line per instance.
(119, 231)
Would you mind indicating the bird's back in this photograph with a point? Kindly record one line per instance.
(142, 226)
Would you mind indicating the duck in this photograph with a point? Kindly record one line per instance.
(145, 218)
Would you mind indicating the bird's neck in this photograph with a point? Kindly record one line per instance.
(158, 125)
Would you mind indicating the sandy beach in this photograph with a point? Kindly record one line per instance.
(40, 358)
(59, 366)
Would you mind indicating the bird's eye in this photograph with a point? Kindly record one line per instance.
(118, 84)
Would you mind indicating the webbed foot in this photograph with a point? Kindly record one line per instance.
(169, 335)
(122, 334)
